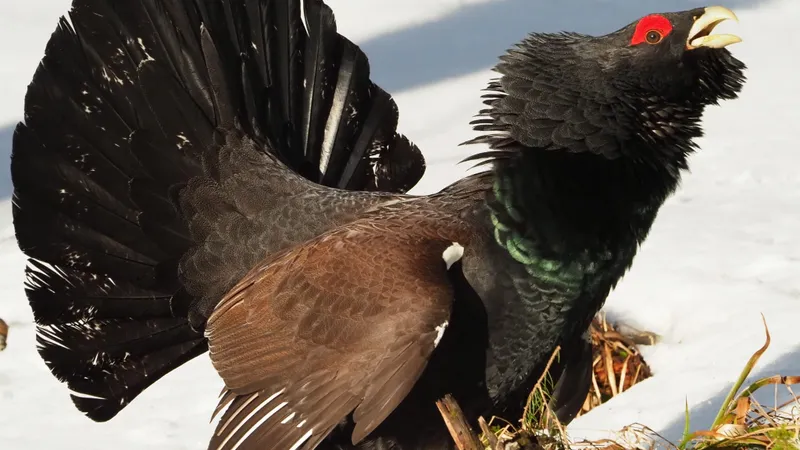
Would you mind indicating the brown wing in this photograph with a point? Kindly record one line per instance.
(345, 323)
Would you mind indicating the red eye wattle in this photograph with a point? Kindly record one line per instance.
(651, 29)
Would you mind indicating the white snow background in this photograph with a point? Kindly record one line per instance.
(723, 250)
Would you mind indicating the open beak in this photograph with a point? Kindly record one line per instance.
(700, 34)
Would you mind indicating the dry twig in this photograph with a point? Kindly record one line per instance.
(457, 424)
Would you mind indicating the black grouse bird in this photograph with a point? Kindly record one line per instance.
(222, 175)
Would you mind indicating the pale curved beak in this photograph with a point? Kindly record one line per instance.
(700, 34)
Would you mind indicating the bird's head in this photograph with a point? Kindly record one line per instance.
(674, 56)
(638, 92)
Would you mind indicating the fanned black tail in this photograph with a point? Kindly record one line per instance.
(132, 101)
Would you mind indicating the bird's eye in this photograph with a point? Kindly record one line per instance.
(654, 37)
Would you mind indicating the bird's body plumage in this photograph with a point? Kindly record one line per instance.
(223, 175)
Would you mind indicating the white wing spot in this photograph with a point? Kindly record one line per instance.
(147, 56)
(302, 440)
(257, 424)
(452, 254)
(440, 332)
(262, 404)
(183, 141)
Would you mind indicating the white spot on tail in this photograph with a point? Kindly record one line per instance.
(182, 140)
(288, 418)
(440, 332)
(147, 56)
(452, 254)
(302, 440)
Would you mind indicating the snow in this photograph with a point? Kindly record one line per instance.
(723, 250)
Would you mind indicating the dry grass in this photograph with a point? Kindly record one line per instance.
(617, 364)
(742, 423)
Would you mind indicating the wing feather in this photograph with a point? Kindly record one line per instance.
(342, 325)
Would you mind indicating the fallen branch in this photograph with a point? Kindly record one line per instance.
(494, 443)
(457, 424)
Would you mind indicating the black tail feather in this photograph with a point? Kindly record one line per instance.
(107, 339)
(134, 100)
